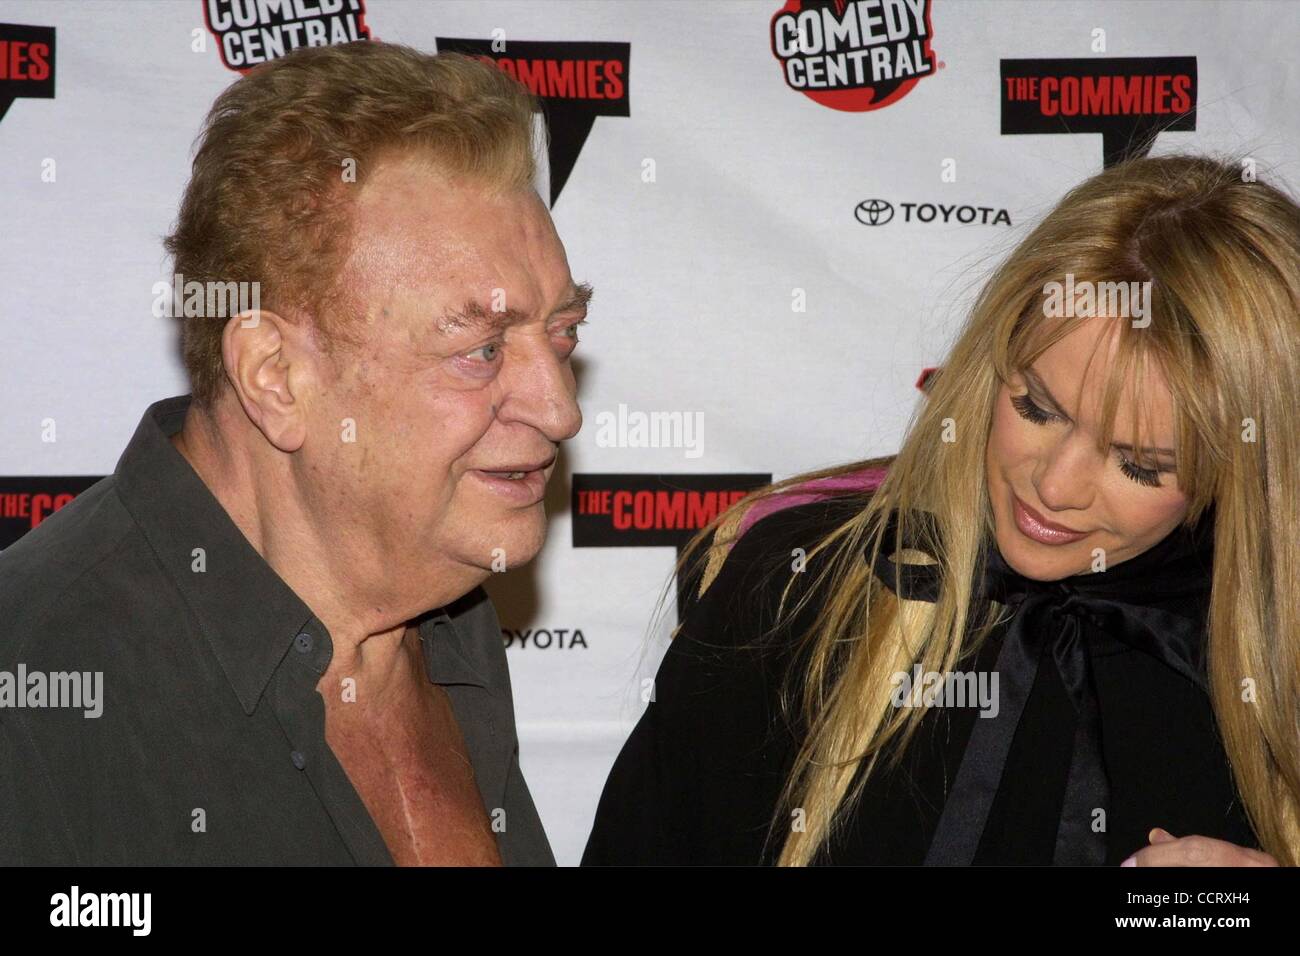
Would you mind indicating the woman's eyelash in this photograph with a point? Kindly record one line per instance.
(1029, 410)
(1143, 476)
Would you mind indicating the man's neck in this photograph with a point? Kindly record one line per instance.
(370, 639)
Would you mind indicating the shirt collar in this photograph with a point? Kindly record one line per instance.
(246, 611)
(449, 656)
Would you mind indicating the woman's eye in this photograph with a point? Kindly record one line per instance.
(1029, 411)
(1143, 476)
(491, 348)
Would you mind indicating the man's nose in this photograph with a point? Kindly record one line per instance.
(541, 393)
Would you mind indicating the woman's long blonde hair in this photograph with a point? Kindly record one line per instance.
(1222, 253)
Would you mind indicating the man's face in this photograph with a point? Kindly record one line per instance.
(1042, 451)
(468, 315)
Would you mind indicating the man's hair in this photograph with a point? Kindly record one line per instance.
(272, 184)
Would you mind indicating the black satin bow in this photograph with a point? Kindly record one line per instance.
(1156, 602)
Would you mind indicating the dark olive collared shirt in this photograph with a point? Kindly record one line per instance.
(210, 745)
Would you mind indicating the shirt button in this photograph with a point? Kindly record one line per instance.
(298, 759)
(302, 643)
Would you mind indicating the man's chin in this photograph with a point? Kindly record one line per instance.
(521, 539)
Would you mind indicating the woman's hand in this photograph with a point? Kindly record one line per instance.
(1169, 850)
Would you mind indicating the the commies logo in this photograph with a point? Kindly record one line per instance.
(250, 32)
(652, 511)
(26, 502)
(1128, 100)
(853, 55)
(26, 63)
(576, 81)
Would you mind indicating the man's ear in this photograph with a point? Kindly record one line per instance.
(271, 373)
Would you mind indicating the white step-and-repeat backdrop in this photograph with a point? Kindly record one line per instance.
(784, 206)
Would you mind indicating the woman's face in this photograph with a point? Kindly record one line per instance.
(1055, 498)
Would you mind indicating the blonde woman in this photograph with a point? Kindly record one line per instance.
(1062, 625)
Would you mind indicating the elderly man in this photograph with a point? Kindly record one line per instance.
(280, 583)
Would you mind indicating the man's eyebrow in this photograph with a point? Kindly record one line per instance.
(1038, 381)
(475, 315)
(582, 293)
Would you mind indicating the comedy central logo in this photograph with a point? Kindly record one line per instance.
(250, 32)
(853, 55)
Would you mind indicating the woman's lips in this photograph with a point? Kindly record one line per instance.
(1034, 526)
